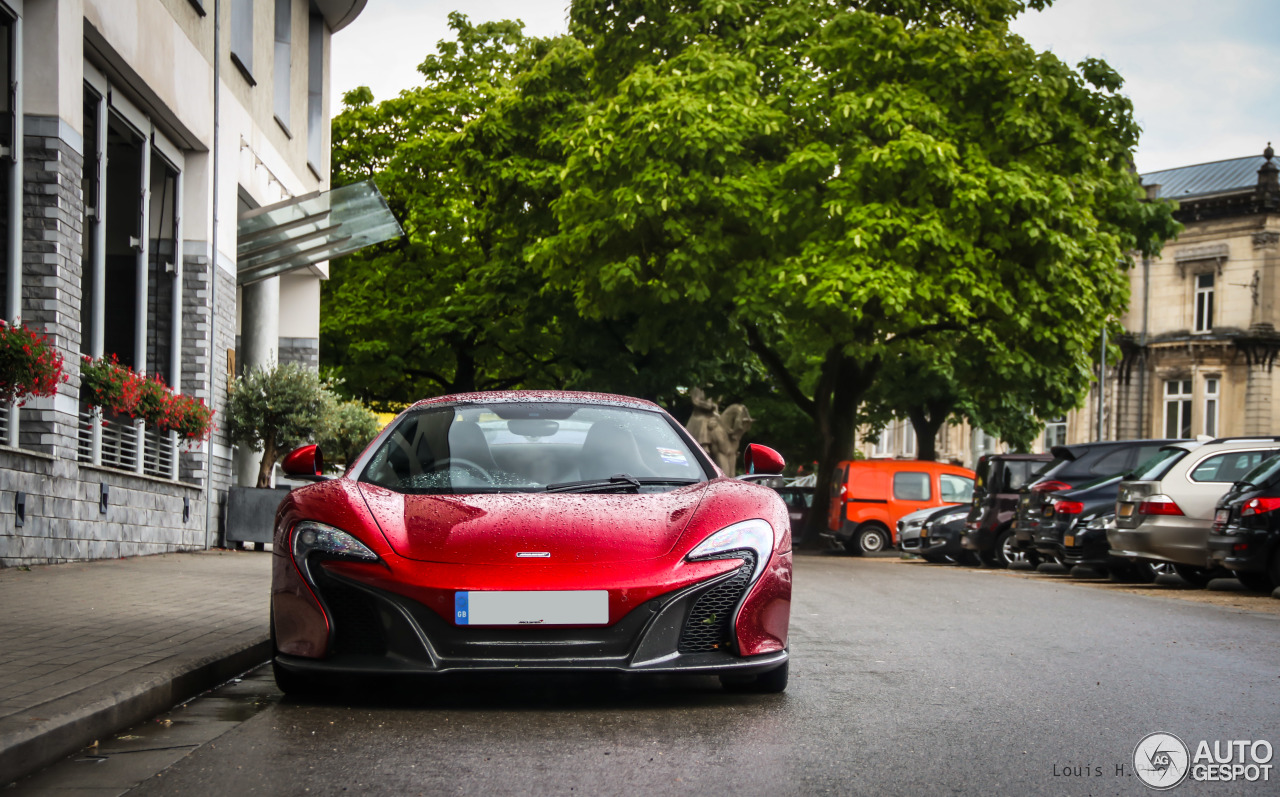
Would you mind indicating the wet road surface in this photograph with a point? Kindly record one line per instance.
(905, 679)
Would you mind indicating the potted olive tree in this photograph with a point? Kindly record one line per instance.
(270, 410)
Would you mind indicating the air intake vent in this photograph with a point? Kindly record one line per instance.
(708, 627)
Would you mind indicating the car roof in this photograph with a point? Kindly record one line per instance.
(894, 465)
(539, 396)
(1074, 450)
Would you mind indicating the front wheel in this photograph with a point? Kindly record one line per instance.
(291, 683)
(1007, 553)
(768, 683)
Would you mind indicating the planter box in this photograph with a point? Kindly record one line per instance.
(251, 513)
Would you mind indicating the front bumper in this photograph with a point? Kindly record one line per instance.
(378, 632)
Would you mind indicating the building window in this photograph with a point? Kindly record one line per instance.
(1211, 407)
(282, 74)
(315, 93)
(242, 37)
(1177, 408)
(1055, 433)
(882, 445)
(908, 439)
(1204, 302)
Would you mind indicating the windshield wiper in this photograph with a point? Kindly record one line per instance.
(618, 481)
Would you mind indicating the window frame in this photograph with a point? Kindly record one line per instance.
(1202, 305)
(1183, 400)
(909, 443)
(241, 48)
(1212, 405)
(1052, 426)
(282, 73)
(315, 93)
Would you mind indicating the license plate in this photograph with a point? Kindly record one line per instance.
(532, 607)
(1069, 540)
(1126, 510)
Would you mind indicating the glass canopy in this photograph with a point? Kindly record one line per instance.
(311, 229)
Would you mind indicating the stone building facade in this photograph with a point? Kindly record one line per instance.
(147, 127)
(1201, 343)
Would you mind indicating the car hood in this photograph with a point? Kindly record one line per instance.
(493, 529)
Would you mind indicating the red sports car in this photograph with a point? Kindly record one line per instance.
(539, 531)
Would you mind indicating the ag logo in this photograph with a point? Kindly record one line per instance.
(1161, 760)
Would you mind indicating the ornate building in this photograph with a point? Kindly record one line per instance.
(1199, 354)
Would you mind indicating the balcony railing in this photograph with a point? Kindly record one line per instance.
(115, 444)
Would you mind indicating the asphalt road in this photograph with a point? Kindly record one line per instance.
(905, 679)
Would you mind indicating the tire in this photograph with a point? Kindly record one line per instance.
(1255, 582)
(1005, 553)
(868, 538)
(766, 683)
(1195, 576)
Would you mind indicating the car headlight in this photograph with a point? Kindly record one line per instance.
(1101, 522)
(309, 536)
(749, 535)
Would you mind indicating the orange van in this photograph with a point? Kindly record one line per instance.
(869, 495)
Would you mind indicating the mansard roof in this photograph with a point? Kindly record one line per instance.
(1206, 179)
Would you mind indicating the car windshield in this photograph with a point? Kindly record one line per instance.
(532, 447)
(1157, 465)
(1263, 474)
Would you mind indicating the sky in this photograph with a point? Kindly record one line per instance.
(1202, 74)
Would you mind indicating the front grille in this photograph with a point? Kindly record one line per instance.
(708, 625)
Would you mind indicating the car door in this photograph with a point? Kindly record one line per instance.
(910, 490)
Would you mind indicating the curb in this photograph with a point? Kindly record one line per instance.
(74, 722)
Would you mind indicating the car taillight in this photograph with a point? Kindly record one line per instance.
(1050, 487)
(1257, 506)
(1067, 507)
(1159, 505)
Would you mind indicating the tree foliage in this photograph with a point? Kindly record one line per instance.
(843, 183)
(274, 410)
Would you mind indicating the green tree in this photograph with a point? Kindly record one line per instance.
(435, 311)
(273, 410)
(840, 183)
(345, 428)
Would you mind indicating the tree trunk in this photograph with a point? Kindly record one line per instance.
(268, 460)
(841, 388)
(926, 427)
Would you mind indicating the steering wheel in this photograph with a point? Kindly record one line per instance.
(450, 462)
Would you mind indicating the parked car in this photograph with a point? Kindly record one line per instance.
(998, 479)
(869, 496)
(940, 534)
(1245, 537)
(799, 501)
(909, 525)
(526, 531)
(1072, 466)
(1166, 515)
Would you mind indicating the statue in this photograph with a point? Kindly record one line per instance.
(718, 433)
(705, 412)
(726, 436)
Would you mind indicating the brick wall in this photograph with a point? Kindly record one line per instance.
(52, 216)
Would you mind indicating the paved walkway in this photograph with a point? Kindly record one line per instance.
(88, 648)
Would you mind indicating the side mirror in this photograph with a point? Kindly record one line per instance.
(763, 461)
(304, 462)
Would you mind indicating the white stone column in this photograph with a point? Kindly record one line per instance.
(259, 344)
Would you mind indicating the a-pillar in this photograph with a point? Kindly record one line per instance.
(259, 344)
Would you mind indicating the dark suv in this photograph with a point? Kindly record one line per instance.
(1246, 528)
(1071, 467)
(995, 497)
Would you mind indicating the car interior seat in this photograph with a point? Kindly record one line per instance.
(609, 450)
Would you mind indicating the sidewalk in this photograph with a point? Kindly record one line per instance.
(89, 648)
